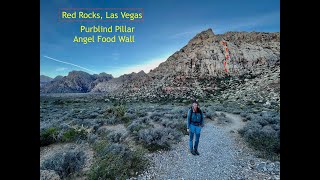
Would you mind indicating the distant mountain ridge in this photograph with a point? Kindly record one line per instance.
(196, 70)
(44, 79)
(74, 82)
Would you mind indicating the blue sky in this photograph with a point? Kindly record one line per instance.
(168, 26)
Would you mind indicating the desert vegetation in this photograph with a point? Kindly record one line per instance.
(121, 133)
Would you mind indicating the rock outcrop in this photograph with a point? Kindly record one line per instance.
(197, 70)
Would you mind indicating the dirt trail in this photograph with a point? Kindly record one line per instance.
(236, 121)
(221, 156)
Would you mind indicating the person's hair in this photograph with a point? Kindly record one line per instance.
(195, 101)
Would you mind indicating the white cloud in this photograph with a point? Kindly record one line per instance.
(61, 69)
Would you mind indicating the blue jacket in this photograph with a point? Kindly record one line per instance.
(195, 117)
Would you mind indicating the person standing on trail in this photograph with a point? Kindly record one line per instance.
(194, 124)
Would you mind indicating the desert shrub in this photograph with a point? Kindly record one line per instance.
(175, 116)
(263, 137)
(92, 138)
(125, 119)
(182, 126)
(132, 116)
(85, 114)
(158, 138)
(131, 110)
(271, 117)
(112, 120)
(74, 134)
(65, 163)
(117, 161)
(64, 126)
(136, 126)
(114, 137)
(144, 120)
(216, 107)
(223, 115)
(276, 126)
(171, 123)
(119, 111)
(156, 116)
(48, 175)
(103, 132)
(48, 136)
(262, 121)
(177, 110)
(58, 102)
(244, 114)
(252, 117)
(141, 114)
(236, 111)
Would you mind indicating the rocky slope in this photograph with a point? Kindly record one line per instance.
(44, 80)
(75, 82)
(197, 70)
(125, 81)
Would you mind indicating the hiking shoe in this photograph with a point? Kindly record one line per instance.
(192, 152)
(196, 152)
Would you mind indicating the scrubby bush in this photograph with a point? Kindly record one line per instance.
(117, 161)
(112, 120)
(141, 114)
(216, 107)
(236, 111)
(182, 126)
(177, 110)
(132, 116)
(262, 133)
(48, 136)
(65, 163)
(156, 116)
(92, 138)
(171, 123)
(262, 121)
(158, 138)
(87, 122)
(244, 114)
(223, 115)
(136, 126)
(103, 132)
(119, 111)
(251, 117)
(175, 116)
(74, 134)
(114, 137)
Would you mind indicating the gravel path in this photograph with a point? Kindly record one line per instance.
(220, 158)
